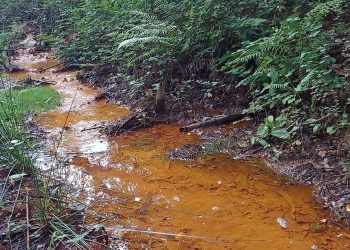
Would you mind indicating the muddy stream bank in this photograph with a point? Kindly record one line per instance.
(153, 202)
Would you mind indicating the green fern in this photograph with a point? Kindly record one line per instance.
(141, 41)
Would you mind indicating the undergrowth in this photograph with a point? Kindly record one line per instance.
(289, 74)
(33, 209)
(281, 54)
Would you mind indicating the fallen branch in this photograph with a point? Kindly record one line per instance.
(92, 128)
(217, 121)
(38, 82)
(131, 118)
(44, 82)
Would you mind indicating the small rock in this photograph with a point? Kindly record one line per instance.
(283, 223)
(215, 208)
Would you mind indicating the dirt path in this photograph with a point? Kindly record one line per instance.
(152, 202)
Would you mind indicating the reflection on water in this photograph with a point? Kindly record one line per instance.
(135, 190)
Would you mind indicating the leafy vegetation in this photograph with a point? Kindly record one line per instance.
(279, 52)
(49, 216)
(290, 72)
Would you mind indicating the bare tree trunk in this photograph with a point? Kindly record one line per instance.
(160, 107)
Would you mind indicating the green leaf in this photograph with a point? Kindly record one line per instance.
(273, 74)
(331, 130)
(264, 143)
(16, 177)
(270, 119)
(316, 128)
(262, 130)
(253, 140)
(280, 133)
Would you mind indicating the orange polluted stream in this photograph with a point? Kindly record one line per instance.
(153, 202)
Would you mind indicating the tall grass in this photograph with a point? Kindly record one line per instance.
(49, 219)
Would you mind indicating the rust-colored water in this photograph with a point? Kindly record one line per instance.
(153, 202)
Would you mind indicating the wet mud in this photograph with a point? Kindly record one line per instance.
(138, 193)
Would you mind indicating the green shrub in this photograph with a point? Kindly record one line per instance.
(289, 73)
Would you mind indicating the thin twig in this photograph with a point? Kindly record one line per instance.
(27, 217)
(88, 129)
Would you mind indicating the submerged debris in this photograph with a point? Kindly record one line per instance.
(186, 152)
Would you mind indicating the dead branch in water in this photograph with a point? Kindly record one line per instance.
(39, 82)
(79, 66)
(216, 121)
(132, 118)
(92, 128)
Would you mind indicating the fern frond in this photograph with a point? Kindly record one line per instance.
(253, 77)
(143, 40)
(245, 57)
(250, 22)
(143, 16)
(146, 30)
(147, 55)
